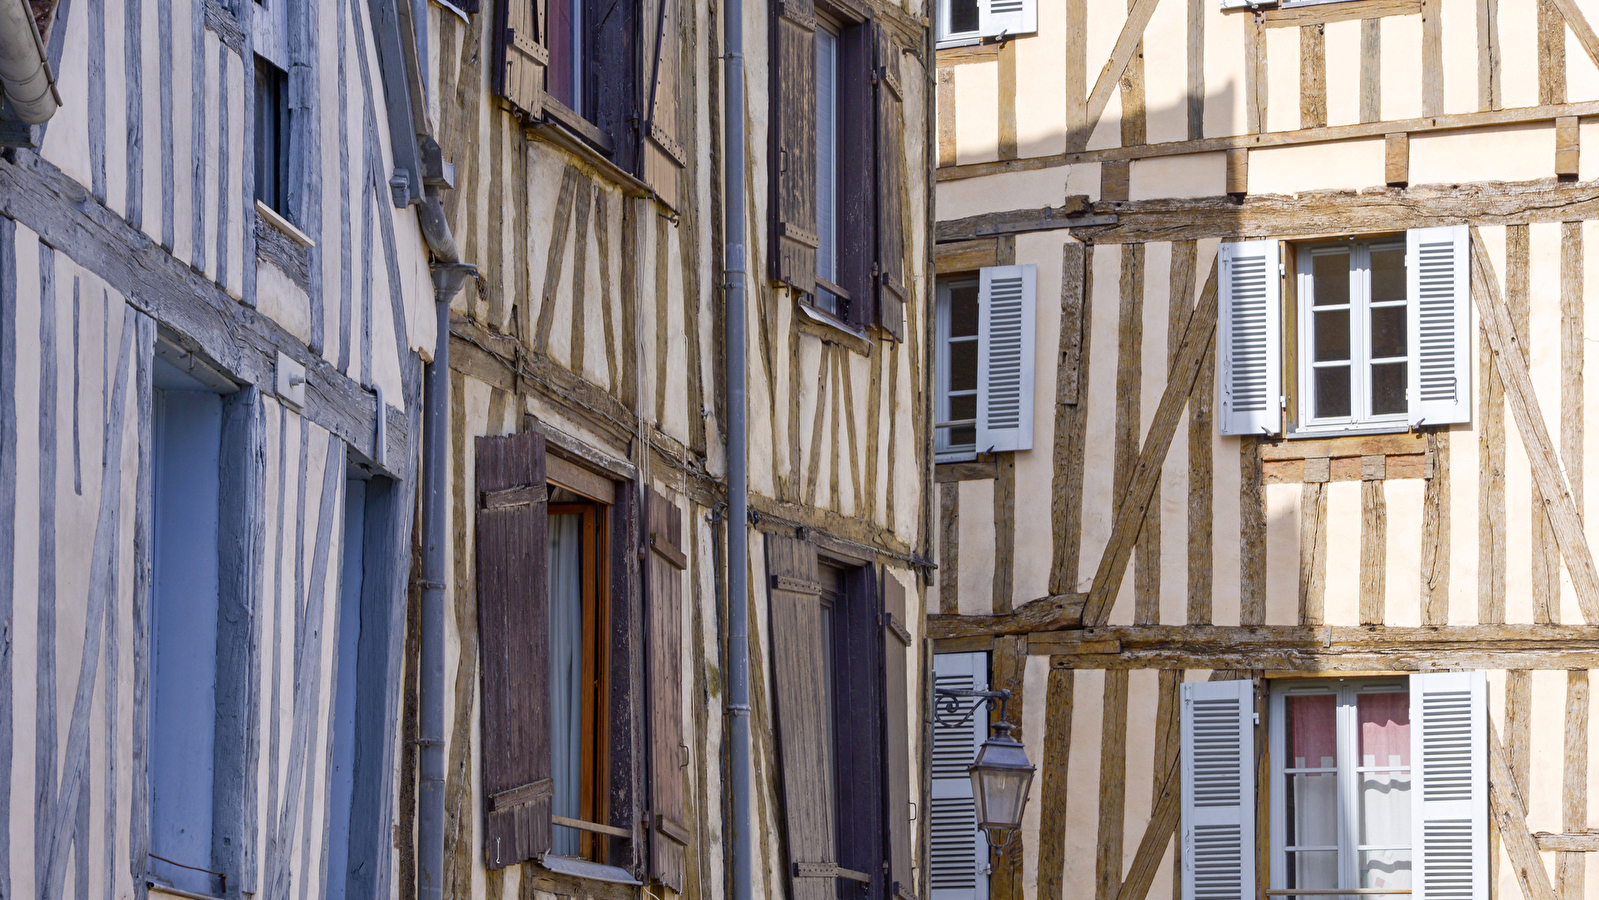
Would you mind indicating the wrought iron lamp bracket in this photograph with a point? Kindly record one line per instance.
(947, 705)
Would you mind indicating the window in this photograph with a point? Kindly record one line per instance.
(969, 21)
(984, 365)
(564, 78)
(1352, 333)
(956, 366)
(272, 136)
(957, 21)
(1341, 785)
(829, 296)
(843, 175)
(579, 696)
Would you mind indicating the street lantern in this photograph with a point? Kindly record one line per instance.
(1001, 774)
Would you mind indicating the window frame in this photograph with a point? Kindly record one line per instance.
(947, 39)
(1347, 769)
(1360, 419)
(942, 449)
(272, 146)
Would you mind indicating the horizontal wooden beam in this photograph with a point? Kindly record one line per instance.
(1351, 11)
(963, 56)
(1580, 842)
(1525, 115)
(1352, 445)
(944, 473)
(1072, 214)
(1044, 614)
(965, 256)
(242, 342)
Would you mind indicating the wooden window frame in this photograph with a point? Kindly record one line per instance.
(944, 451)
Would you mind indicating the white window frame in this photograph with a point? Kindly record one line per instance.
(1360, 359)
(947, 38)
(944, 451)
(1348, 768)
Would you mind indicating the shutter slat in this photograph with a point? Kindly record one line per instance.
(793, 157)
(958, 861)
(1249, 332)
(1006, 304)
(1449, 787)
(1218, 790)
(892, 292)
(1437, 273)
(664, 652)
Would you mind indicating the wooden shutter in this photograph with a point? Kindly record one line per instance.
(1218, 812)
(1250, 333)
(513, 611)
(1449, 785)
(1006, 302)
(519, 54)
(958, 852)
(1438, 284)
(793, 159)
(1006, 17)
(805, 751)
(891, 290)
(669, 833)
(896, 737)
(664, 155)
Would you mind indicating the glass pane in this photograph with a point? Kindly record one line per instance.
(1331, 273)
(1388, 274)
(1385, 811)
(1313, 869)
(827, 301)
(963, 310)
(962, 16)
(1332, 391)
(964, 436)
(1312, 725)
(1332, 335)
(565, 547)
(826, 168)
(1385, 869)
(963, 366)
(1384, 738)
(1388, 389)
(1387, 332)
(963, 407)
(565, 46)
(1312, 798)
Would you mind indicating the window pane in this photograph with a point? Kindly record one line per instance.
(1312, 798)
(1388, 274)
(1384, 729)
(962, 16)
(826, 143)
(566, 675)
(963, 366)
(1388, 389)
(1313, 869)
(825, 300)
(963, 407)
(1332, 391)
(565, 55)
(1387, 332)
(1385, 869)
(1331, 273)
(1385, 814)
(1332, 335)
(963, 310)
(964, 436)
(1312, 725)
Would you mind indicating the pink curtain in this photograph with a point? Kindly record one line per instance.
(1384, 729)
(1313, 731)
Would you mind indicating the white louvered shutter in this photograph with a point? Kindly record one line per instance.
(1249, 335)
(1005, 332)
(997, 17)
(1218, 826)
(1449, 785)
(1438, 285)
(958, 863)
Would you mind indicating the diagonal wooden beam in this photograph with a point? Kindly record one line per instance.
(1580, 27)
(1145, 477)
(1511, 361)
(1505, 807)
(1127, 42)
(1152, 849)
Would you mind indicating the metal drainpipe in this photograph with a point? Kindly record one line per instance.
(738, 692)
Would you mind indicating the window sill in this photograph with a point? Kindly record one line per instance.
(556, 133)
(818, 324)
(589, 871)
(282, 224)
(158, 887)
(1312, 432)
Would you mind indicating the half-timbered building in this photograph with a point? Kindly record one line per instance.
(1259, 416)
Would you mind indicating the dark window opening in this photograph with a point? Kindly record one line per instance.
(272, 136)
(845, 183)
(564, 76)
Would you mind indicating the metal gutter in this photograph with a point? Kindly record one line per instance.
(30, 88)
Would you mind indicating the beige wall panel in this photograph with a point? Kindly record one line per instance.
(908, 485)
(1166, 73)
(1108, 133)
(977, 119)
(1143, 699)
(1342, 603)
(1035, 690)
(1505, 885)
(66, 141)
(1040, 99)
(1544, 791)
(1463, 512)
(804, 381)
(1190, 175)
(1098, 455)
(1083, 178)
(1590, 366)
(282, 301)
(1402, 590)
(1282, 554)
(994, 193)
(1460, 56)
(1225, 100)
(25, 615)
(1401, 67)
(236, 219)
(1518, 527)
(1082, 784)
(1518, 153)
(1225, 607)
(1282, 71)
(1518, 53)
(1342, 40)
(1105, 20)
(977, 548)
(1035, 468)
(1157, 294)
(116, 108)
(545, 170)
(1346, 165)
(1582, 78)
(1173, 507)
(182, 200)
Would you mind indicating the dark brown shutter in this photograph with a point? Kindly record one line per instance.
(519, 54)
(664, 613)
(896, 738)
(891, 292)
(805, 752)
(513, 613)
(793, 160)
(664, 156)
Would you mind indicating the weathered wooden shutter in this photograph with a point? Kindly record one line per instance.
(1218, 812)
(1438, 276)
(1449, 785)
(664, 155)
(896, 735)
(1006, 17)
(958, 852)
(520, 55)
(1006, 301)
(1250, 333)
(669, 833)
(793, 159)
(891, 290)
(513, 610)
(805, 752)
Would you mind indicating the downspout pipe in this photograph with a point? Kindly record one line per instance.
(734, 259)
(30, 89)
